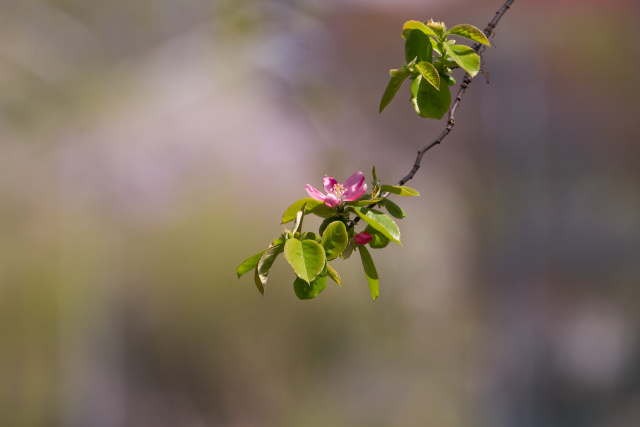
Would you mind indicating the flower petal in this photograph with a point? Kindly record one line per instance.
(351, 196)
(328, 183)
(331, 200)
(354, 182)
(315, 193)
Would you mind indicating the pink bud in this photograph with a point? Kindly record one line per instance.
(362, 238)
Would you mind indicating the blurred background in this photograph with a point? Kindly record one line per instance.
(149, 147)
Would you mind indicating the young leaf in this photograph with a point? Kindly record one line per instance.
(428, 101)
(307, 258)
(265, 263)
(333, 275)
(429, 72)
(249, 264)
(292, 211)
(394, 210)
(465, 57)
(470, 32)
(334, 239)
(439, 29)
(306, 290)
(416, 25)
(400, 190)
(392, 88)
(378, 240)
(381, 222)
(370, 271)
(418, 47)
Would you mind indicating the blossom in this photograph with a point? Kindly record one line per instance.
(362, 238)
(352, 189)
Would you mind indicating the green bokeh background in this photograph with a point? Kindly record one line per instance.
(148, 147)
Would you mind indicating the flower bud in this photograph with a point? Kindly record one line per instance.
(362, 238)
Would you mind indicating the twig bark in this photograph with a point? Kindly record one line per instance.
(479, 48)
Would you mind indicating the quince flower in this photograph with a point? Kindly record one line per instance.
(352, 189)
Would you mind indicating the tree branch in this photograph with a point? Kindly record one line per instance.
(479, 49)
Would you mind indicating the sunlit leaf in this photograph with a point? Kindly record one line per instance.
(306, 290)
(381, 222)
(370, 272)
(428, 101)
(392, 89)
(393, 209)
(470, 32)
(400, 190)
(418, 47)
(335, 239)
(333, 275)
(416, 25)
(465, 57)
(428, 72)
(307, 258)
(249, 264)
(292, 211)
(265, 263)
(378, 240)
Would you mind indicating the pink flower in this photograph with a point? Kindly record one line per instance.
(362, 238)
(352, 189)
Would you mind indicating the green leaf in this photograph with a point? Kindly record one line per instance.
(394, 210)
(400, 190)
(249, 264)
(292, 211)
(370, 271)
(470, 32)
(378, 240)
(335, 239)
(308, 235)
(448, 79)
(429, 72)
(307, 258)
(348, 250)
(328, 221)
(392, 89)
(416, 25)
(323, 211)
(381, 222)
(265, 263)
(465, 57)
(258, 282)
(418, 47)
(361, 203)
(306, 290)
(333, 275)
(428, 101)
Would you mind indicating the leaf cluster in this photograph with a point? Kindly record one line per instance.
(431, 56)
(309, 253)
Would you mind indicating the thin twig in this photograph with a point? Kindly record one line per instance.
(479, 49)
